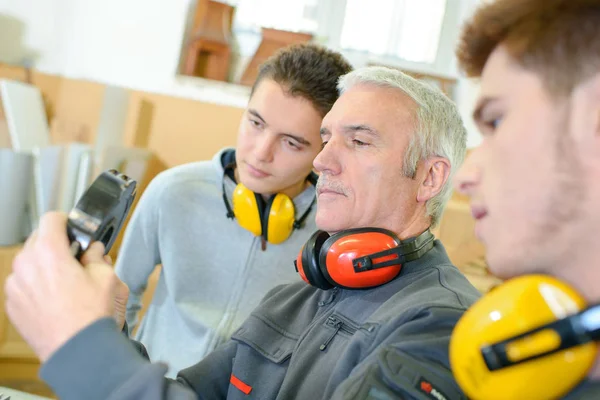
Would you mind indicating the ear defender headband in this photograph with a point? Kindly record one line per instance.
(357, 258)
(273, 219)
(529, 338)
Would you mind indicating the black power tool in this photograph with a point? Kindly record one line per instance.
(100, 212)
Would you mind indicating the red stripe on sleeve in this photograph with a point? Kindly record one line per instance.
(246, 389)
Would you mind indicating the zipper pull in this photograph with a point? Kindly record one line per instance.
(338, 326)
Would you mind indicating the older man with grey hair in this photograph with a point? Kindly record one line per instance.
(380, 299)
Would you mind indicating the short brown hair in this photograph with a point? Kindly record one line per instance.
(306, 70)
(558, 39)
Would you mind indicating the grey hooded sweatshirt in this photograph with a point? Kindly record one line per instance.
(214, 272)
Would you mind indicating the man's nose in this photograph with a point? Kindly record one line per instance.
(328, 159)
(264, 149)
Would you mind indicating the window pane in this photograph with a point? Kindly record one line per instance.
(367, 25)
(407, 29)
(420, 30)
(277, 14)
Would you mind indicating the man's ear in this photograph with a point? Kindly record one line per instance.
(437, 171)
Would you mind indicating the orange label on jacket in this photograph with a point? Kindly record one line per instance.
(246, 389)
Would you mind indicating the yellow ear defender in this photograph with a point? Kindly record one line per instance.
(530, 338)
(273, 219)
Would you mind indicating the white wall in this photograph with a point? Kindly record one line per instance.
(136, 44)
(119, 41)
(130, 43)
(468, 89)
(34, 29)
(126, 42)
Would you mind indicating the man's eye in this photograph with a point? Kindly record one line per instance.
(359, 143)
(255, 123)
(494, 123)
(292, 144)
(323, 145)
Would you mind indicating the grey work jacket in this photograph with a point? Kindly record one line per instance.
(299, 343)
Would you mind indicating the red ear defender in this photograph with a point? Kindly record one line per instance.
(357, 258)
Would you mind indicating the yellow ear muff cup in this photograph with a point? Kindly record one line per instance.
(280, 219)
(513, 308)
(245, 209)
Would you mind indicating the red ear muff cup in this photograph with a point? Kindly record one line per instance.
(337, 253)
(299, 267)
(308, 265)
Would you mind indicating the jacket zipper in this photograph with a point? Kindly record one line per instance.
(339, 325)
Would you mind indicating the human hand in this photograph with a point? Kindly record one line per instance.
(121, 294)
(50, 296)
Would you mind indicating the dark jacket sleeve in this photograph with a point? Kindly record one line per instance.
(136, 345)
(411, 363)
(210, 377)
(101, 363)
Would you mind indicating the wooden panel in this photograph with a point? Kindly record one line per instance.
(19, 366)
(177, 130)
(22, 375)
(183, 130)
(11, 343)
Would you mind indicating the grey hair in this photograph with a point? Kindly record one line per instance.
(439, 131)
